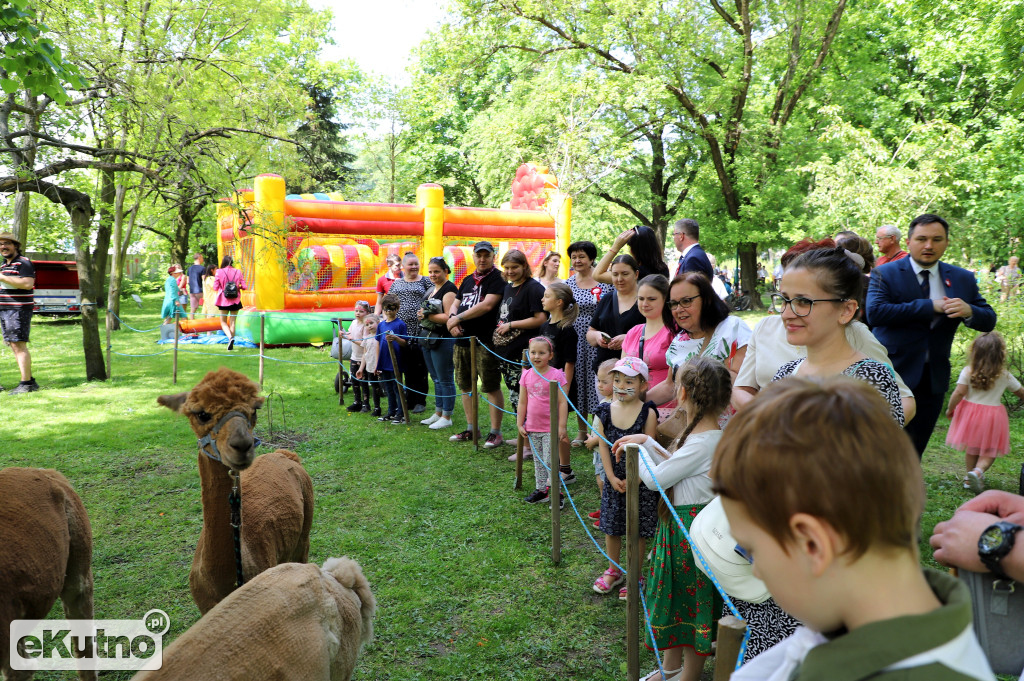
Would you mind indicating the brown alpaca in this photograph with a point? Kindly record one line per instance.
(293, 621)
(277, 493)
(45, 552)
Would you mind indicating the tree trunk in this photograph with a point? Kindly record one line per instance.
(117, 264)
(185, 216)
(89, 276)
(748, 273)
(19, 221)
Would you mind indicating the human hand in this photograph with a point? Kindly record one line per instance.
(452, 322)
(390, 337)
(592, 441)
(419, 313)
(504, 328)
(1006, 505)
(563, 435)
(618, 484)
(956, 540)
(359, 374)
(623, 239)
(522, 430)
(456, 330)
(955, 308)
(620, 445)
(616, 343)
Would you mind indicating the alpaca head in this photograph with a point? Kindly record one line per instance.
(222, 411)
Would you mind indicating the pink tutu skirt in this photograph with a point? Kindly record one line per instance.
(979, 430)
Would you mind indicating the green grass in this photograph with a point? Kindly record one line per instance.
(460, 566)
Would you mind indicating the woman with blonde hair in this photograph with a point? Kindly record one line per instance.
(549, 269)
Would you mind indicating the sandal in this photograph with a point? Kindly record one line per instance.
(622, 591)
(608, 580)
(577, 443)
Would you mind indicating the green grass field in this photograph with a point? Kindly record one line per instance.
(460, 565)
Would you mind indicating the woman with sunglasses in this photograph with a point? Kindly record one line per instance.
(819, 295)
(769, 347)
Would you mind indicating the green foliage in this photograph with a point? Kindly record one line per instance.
(31, 61)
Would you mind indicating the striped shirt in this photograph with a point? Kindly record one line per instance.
(11, 297)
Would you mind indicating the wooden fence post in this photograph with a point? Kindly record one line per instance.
(633, 562)
(174, 364)
(555, 480)
(474, 418)
(262, 345)
(730, 638)
(341, 371)
(520, 446)
(394, 367)
(109, 371)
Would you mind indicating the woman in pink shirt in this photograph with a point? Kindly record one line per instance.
(657, 332)
(228, 281)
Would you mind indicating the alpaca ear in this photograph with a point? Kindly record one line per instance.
(258, 404)
(173, 402)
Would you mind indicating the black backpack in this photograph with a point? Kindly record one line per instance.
(231, 290)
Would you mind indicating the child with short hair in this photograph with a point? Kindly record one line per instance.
(391, 330)
(356, 334)
(628, 414)
(603, 385)
(979, 426)
(836, 542)
(533, 414)
(683, 603)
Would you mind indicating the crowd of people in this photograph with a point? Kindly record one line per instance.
(857, 352)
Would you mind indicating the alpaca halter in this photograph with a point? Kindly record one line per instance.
(208, 441)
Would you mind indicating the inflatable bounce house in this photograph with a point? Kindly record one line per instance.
(307, 258)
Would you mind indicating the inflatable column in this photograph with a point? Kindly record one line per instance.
(269, 272)
(563, 221)
(430, 197)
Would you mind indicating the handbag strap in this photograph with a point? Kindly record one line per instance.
(641, 349)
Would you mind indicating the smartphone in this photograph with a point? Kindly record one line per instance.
(605, 337)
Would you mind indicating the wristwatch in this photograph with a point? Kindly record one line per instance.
(995, 543)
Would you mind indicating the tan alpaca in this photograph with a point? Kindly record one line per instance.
(45, 552)
(294, 621)
(277, 493)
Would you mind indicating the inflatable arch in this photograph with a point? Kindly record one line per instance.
(308, 258)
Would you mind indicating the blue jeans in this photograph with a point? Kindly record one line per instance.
(391, 388)
(441, 366)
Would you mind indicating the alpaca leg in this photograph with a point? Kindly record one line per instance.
(76, 595)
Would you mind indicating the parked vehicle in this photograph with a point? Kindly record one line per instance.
(56, 290)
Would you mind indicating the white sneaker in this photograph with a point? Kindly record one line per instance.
(430, 419)
(976, 480)
(440, 423)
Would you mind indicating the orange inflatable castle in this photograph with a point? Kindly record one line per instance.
(309, 258)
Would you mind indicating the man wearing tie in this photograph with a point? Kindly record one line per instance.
(915, 306)
(686, 235)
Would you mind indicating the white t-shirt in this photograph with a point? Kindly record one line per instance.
(993, 397)
(686, 471)
(768, 350)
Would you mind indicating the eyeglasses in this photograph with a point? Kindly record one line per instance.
(744, 554)
(800, 305)
(684, 303)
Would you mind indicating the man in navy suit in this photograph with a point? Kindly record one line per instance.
(686, 235)
(915, 306)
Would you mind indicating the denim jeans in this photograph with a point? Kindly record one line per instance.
(441, 365)
(391, 388)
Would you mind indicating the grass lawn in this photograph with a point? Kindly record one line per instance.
(460, 565)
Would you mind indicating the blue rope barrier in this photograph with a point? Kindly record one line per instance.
(672, 511)
(122, 354)
(133, 328)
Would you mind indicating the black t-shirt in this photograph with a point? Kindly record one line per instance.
(11, 297)
(471, 293)
(446, 288)
(643, 271)
(518, 303)
(607, 318)
(565, 342)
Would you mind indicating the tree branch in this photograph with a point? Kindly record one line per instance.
(619, 202)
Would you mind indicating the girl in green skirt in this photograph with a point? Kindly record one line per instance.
(683, 603)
